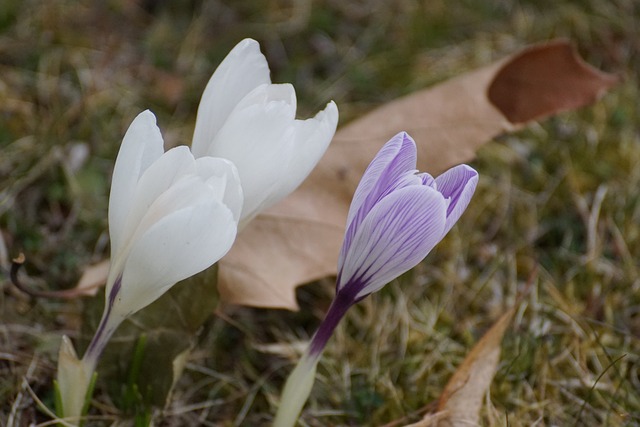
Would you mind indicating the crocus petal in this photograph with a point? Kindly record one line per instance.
(222, 176)
(268, 96)
(177, 246)
(259, 134)
(312, 137)
(394, 159)
(458, 185)
(396, 235)
(392, 168)
(244, 69)
(187, 192)
(161, 175)
(427, 180)
(141, 146)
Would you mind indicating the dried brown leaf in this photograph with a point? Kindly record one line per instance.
(530, 77)
(93, 278)
(298, 240)
(462, 397)
(460, 402)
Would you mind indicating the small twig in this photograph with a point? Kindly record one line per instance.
(55, 420)
(14, 417)
(17, 263)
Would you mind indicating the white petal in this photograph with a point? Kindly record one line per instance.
(244, 69)
(176, 247)
(188, 191)
(311, 141)
(141, 146)
(222, 176)
(160, 176)
(271, 95)
(258, 138)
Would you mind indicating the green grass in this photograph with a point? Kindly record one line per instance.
(561, 195)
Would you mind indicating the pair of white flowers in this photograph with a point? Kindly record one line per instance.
(173, 214)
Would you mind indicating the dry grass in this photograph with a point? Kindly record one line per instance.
(562, 196)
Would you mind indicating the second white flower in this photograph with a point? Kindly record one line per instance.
(246, 119)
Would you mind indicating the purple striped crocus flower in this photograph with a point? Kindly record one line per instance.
(396, 218)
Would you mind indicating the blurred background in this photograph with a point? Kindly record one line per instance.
(561, 195)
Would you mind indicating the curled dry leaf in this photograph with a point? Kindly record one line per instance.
(462, 397)
(298, 240)
(461, 400)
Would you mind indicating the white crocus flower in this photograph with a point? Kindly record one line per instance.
(170, 216)
(246, 119)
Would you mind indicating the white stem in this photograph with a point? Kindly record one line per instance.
(296, 391)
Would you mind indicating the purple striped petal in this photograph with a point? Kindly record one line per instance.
(397, 234)
(457, 185)
(392, 168)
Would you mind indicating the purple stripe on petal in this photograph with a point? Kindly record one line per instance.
(396, 235)
(427, 179)
(394, 160)
(115, 290)
(457, 184)
(393, 167)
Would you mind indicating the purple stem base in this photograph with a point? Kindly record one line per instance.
(336, 312)
(106, 328)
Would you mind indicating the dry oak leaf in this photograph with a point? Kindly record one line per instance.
(298, 240)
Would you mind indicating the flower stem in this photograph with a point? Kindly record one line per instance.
(298, 386)
(106, 328)
(336, 312)
(75, 377)
(78, 395)
(296, 391)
